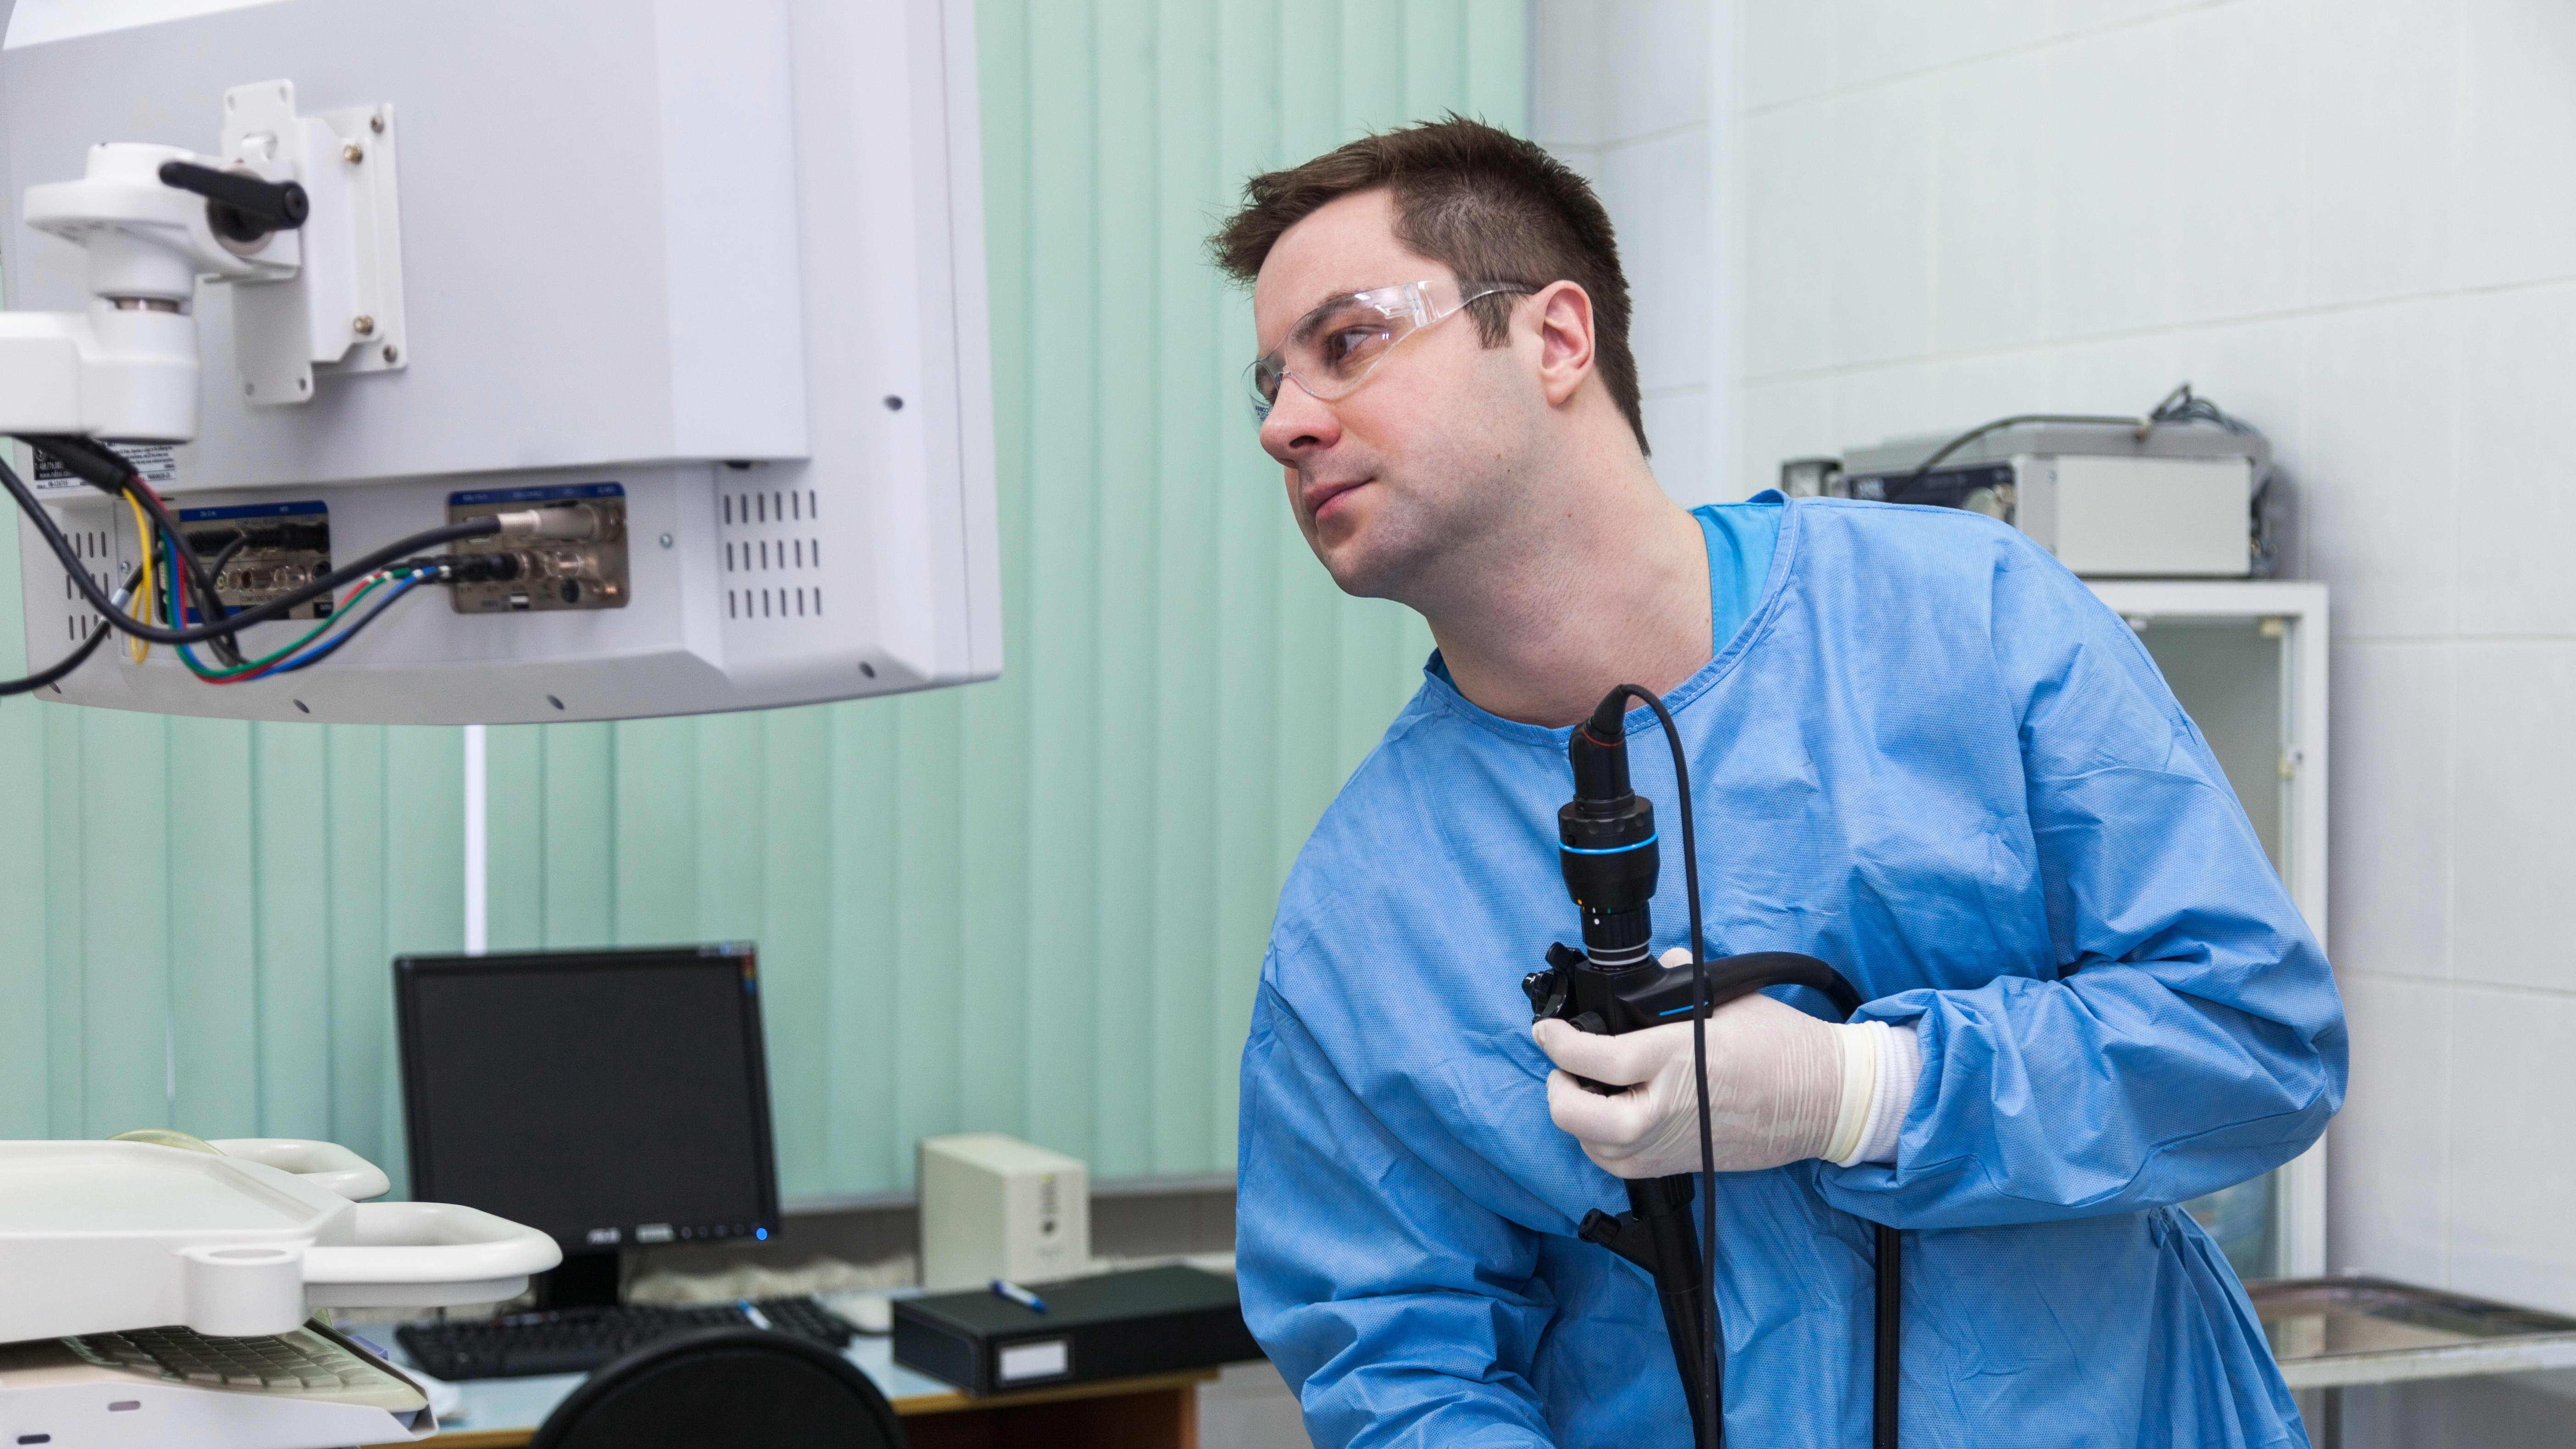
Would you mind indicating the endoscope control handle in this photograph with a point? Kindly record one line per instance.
(1652, 994)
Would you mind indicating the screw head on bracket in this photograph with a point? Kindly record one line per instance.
(376, 124)
(353, 153)
(362, 324)
(391, 354)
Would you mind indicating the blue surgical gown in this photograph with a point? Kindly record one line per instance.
(1932, 758)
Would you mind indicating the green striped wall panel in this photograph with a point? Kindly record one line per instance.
(1033, 906)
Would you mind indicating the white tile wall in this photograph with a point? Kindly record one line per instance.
(2104, 107)
(1657, 67)
(1677, 431)
(2383, 457)
(2384, 119)
(1620, 92)
(2515, 772)
(1788, 229)
(1990, 233)
(1880, 183)
(1788, 50)
(2509, 1049)
(2517, 473)
(2236, 160)
(2517, 213)
(2353, 222)
(1665, 214)
(2387, 1199)
(2391, 799)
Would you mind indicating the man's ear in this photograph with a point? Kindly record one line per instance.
(1563, 314)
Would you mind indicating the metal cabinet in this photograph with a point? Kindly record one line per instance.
(2248, 663)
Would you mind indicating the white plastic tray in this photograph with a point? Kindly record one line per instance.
(101, 1236)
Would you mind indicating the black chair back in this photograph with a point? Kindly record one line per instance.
(719, 1388)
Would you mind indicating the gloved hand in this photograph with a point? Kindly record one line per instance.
(1782, 1086)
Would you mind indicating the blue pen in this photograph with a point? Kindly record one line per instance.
(1019, 1295)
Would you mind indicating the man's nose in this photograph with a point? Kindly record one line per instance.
(1298, 423)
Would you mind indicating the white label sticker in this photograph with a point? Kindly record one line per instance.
(1041, 1360)
(157, 462)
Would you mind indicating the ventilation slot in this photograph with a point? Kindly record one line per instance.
(769, 533)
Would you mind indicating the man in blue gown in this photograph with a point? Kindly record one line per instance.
(1919, 749)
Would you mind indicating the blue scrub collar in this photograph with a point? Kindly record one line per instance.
(1438, 690)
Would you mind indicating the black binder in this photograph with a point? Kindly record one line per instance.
(1114, 1326)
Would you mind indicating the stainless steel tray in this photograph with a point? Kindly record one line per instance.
(2330, 1332)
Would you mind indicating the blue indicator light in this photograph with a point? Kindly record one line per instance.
(1612, 850)
(760, 1233)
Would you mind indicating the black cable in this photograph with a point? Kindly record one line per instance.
(200, 577)
(2184, 406)
(2179, 406)
(108, 471)
(1999, 424)
(276, 608)
(74, 660)
(228, 648)
(224, 555)
(1713, 1431)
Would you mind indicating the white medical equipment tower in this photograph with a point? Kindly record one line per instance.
(710, 270)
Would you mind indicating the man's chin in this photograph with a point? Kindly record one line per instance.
(1370, 549)
(1363, 566)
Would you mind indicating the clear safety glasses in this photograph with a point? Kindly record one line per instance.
(1334, 348)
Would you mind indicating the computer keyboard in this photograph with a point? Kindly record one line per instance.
(303, 1363)
(577, 1340)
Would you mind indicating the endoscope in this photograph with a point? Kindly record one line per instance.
(1608, 852)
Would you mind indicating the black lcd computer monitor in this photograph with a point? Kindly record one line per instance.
(611, 1098)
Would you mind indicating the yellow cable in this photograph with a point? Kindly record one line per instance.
(139, 650)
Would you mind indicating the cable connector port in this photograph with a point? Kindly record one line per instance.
(572, 521)
(469, 568)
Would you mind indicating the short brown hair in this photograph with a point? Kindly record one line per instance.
(1482, 202)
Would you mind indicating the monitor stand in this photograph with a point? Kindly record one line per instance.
(585, 1280)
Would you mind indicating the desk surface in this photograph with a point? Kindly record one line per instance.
(500, 1413)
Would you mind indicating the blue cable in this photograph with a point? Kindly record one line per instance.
(178, 600)
(322, 651)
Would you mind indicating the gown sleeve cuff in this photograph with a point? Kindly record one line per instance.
(1898, 1065)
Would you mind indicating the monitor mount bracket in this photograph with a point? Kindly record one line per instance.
(298, 214)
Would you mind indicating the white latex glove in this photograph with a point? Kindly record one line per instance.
(1782, 1086)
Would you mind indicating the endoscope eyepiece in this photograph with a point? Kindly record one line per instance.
(1606, 841)
(1599, 754)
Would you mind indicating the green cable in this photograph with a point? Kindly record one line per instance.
(250, 665)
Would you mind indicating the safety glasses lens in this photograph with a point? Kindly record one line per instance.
(1334, 348)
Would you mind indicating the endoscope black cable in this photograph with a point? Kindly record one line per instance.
(1887, 1243)
(276, 608)
(80, 653)
(1712, 1430)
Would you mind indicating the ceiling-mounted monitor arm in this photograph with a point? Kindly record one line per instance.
(126, 366)
(297, 210)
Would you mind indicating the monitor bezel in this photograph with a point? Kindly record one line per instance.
(410, 970)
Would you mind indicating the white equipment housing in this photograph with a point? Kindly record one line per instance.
(2180, 501)
(235, 1244)
(716, 265)
(993, 1206)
